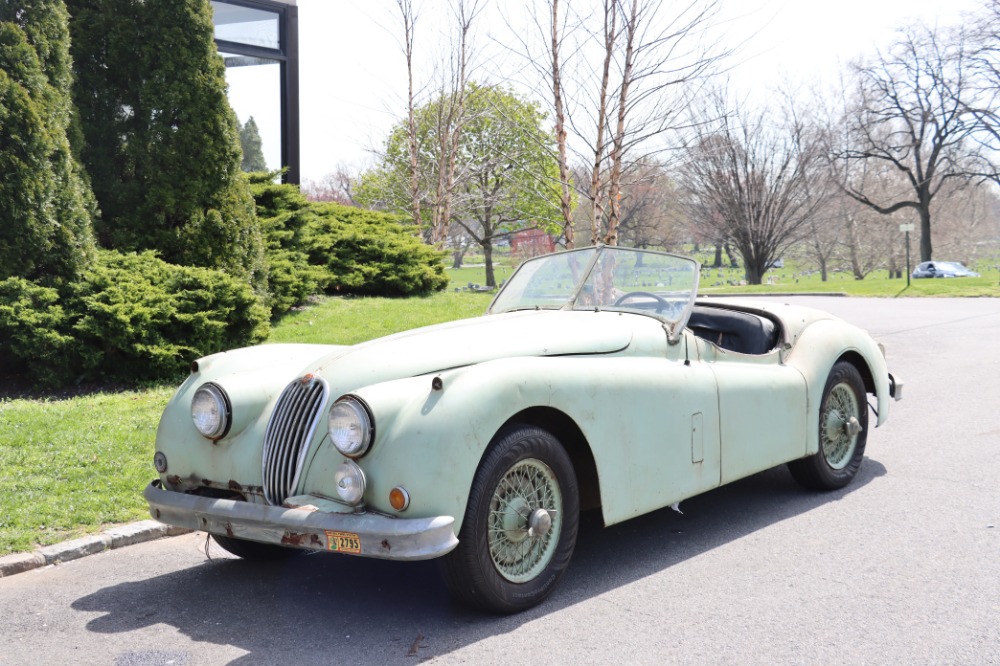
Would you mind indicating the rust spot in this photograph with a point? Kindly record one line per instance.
(233, 485)
(174, 480)
(157, 514)
(229, 530)
(206, 482)
(301, 540)
(386, 545)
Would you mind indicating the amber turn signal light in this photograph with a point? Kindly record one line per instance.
(399, 499)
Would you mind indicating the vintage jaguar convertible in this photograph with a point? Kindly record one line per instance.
(595, 381)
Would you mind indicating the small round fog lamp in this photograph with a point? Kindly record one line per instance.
(350, 482)
(160, 462)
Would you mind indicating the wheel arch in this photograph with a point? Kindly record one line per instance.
(859, 362)
(569, 434)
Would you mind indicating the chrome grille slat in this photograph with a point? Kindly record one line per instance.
(289, 433)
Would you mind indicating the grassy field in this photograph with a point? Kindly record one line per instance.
(72, 466)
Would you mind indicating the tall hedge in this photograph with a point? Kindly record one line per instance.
(46, 207)
(160, 140)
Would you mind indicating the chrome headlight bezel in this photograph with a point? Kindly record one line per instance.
(211, 411)
(350, 426)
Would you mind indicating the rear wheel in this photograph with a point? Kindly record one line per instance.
(520, 524)
(843, 432)
(252, 550)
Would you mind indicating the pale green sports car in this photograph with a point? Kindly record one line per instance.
(594, 381)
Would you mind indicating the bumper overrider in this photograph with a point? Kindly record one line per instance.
(365, 534)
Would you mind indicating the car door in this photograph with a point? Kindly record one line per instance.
(762, 409)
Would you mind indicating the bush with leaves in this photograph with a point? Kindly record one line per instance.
(370, 253)
(283, 213)
(315, 247)
(132, 317)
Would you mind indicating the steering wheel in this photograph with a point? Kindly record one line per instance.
(660, 302)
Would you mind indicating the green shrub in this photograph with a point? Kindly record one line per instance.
(35, 327)
(133, 317)
(283, 213)
(371, 253)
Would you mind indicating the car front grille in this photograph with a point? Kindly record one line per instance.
(291, 428)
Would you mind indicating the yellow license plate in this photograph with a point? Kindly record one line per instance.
(343, 542)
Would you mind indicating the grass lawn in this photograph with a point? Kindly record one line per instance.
(72, 466)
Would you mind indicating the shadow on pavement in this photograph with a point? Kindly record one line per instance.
(321, 609)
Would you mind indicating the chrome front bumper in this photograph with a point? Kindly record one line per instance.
(365, 534)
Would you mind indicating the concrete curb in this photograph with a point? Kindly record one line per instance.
(115, 537)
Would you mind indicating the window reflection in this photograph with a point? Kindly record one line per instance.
(245, 25)
(255, 91)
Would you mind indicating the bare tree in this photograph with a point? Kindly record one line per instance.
(451, 116)
(748, 180)
(909, 113)
(409, 19)
(337, 186)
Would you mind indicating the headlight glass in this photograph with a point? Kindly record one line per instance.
(350, 427)
(210, 411)
(350, 481)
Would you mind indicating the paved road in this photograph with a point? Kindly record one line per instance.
(903, 567)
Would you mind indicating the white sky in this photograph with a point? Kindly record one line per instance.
(353, 74)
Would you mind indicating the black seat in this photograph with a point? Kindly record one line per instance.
(736, 331)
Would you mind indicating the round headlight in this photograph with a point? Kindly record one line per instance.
(350, 427)
(210, 411)
(350, 481)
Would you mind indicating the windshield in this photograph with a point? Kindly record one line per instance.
(603, 278)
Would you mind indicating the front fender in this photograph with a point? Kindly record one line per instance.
(818, 348)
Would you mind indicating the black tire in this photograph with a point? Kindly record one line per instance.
(484, 571)
(254, 551)
(840, 450)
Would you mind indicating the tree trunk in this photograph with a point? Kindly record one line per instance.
(925, 231)
(491, 280)
(718, 256)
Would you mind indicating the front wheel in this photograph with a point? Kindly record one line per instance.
(843, 432)
(520, 524)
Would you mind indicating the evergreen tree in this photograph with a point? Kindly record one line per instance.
(160, 139)
(253, 147)
(46, 206)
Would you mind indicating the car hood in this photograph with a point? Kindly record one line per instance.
(468, 341)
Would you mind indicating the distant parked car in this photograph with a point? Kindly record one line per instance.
(942, 269)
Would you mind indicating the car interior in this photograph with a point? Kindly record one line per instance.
(734, 330)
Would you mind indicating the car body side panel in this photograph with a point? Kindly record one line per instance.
(637, 414)
(763, 406)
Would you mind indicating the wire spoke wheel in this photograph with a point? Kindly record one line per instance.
(524, 520)
(841, 426)
(843, 432)
(520, 523)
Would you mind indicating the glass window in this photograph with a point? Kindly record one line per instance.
(246, 25)
(255, 92)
